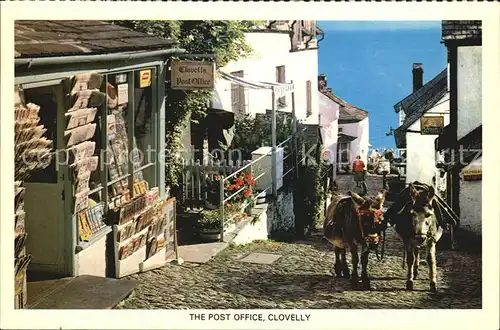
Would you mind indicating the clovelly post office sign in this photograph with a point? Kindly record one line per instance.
(190, 75)
(430, 125)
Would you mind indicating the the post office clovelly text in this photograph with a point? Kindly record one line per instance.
(259, 317)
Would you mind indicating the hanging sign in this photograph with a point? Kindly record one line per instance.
(431, 125)
(144, 78)
(192, 75)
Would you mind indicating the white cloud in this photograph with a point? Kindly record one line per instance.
(378, 25)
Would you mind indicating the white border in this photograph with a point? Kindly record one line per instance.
(487, 318)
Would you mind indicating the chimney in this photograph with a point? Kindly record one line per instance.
(322, 82)
(418, 76)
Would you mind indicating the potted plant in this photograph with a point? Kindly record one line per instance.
(210, 224)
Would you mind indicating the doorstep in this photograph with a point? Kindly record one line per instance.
(81, 292)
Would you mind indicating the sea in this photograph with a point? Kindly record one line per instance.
(372, 69)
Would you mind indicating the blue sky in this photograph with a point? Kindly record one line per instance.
(369, 63)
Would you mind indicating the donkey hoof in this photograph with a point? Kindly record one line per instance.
(409, 285)
(365, 283)
(338, 274)
(433, 288)
(354, 282)
(346, 274)
(415, 275)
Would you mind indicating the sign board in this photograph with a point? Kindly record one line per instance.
(192, 75)
(122, 94)
(473, 175)
(144, 78)
(431, 125)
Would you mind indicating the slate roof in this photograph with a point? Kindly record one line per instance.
(461, 30)
(348, 113)
(417, 103)
(65, 38)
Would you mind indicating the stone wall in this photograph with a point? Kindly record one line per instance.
(281, 218)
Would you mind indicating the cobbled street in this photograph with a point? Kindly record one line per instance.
(302, 278)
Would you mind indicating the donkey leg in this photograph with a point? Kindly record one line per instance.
(410, 258)
(338, 262)
(345, 266)
(431, 260)
(416, 263)
(355, 261)
(364, 274)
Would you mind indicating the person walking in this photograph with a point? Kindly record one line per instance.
(358, 169)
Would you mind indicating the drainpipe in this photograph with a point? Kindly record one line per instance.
(95, 57)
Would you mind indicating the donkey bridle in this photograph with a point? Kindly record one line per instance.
(376, 220)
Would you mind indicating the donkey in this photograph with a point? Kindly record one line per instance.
(417, 226)
(353, 222)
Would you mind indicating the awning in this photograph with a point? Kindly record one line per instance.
(344, 138)
(278, 88)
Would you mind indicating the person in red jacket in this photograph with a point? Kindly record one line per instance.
(358, 169)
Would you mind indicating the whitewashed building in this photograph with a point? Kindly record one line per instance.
(345, 128)
(276, 57)
(426, 112)
(461, 141)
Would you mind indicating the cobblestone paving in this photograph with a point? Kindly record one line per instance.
(302, 278)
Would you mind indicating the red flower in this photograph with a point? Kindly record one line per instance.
(247, 193)
(232, 187)
(240, 182)
(217, 177)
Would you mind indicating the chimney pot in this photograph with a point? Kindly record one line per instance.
(322, 83)
(418, 76)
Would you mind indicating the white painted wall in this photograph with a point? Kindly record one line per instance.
(269, 51)
(470, 198)
(359, 146)
(420, 149)
(329, 111)
(469, 89)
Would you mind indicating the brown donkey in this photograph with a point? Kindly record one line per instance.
(352, 222)
(417, 225)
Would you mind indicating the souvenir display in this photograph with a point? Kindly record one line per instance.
(140, 233)
(32, 152)
(82, 100)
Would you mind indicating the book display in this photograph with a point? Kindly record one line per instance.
(141, 233)
(82, 100)
(32, 152)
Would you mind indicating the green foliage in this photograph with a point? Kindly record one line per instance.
(251, 133)
(224, 39)
(309, 196)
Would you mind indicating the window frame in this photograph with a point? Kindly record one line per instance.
(238, 107)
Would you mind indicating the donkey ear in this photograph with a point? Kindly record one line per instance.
(383, 192)
(358, 200)
(431, 193)
(413, 191)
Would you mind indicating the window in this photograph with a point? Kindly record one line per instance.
(343, 150)
(280, 78)
(131, 150)
(238, 95)
(308, 99)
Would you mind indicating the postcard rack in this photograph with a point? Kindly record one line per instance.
(82, 100)
(140, 234)
(32, 152)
